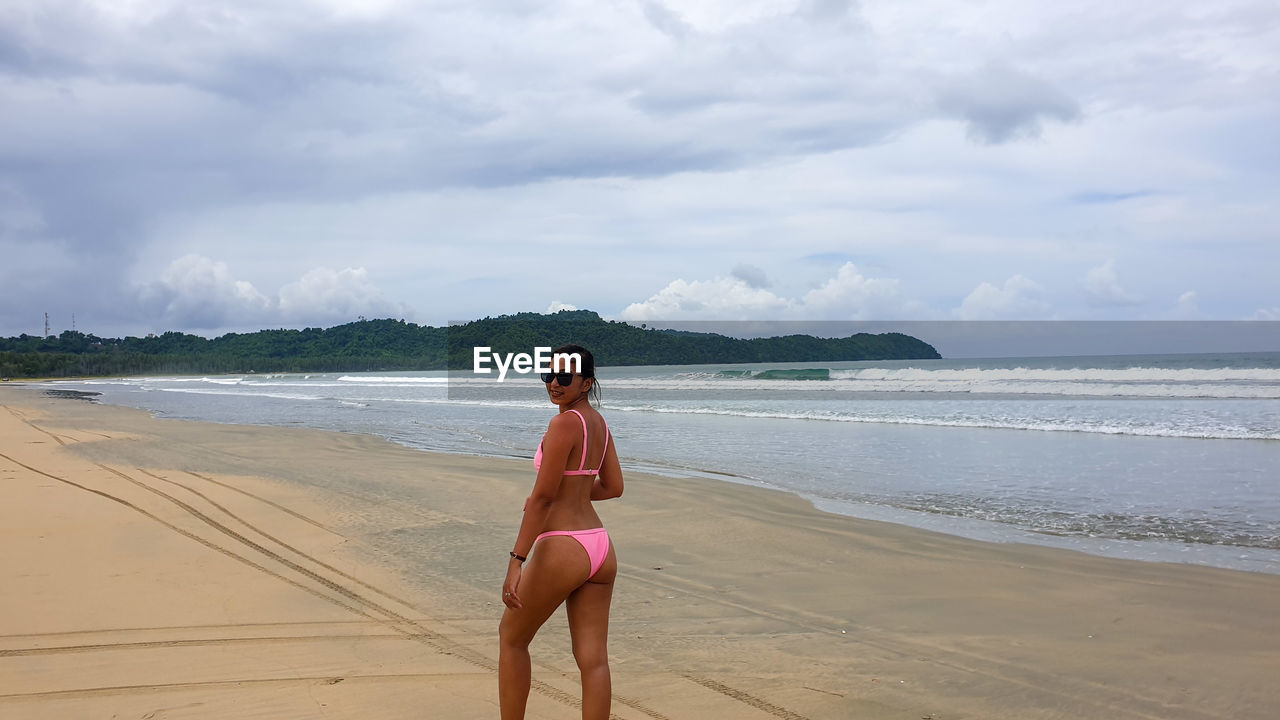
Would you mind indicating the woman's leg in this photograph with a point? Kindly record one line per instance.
(556, 568)
(588, 609)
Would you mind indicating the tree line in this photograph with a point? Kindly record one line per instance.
(390, 345)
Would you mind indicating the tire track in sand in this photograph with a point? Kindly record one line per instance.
(347, 598)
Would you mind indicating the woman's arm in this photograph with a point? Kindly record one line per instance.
(556, 446)
(562, 435)
(608, 484)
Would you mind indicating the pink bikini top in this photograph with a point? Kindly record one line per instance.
(537, 457)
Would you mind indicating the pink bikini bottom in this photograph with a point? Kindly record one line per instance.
(595, 541)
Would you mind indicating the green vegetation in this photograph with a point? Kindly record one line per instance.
(397, 345)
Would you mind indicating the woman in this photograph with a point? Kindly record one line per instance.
(572, 559)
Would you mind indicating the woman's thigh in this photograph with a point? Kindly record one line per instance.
(551, 575)
(588, 610)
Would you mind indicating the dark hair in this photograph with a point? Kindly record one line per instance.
(588, 369)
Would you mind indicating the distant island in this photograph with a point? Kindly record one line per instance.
(387, 345)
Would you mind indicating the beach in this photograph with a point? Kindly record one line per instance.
(176, 569)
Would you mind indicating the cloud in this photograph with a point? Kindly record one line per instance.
(847, 296)
(1099, 197)
(1187, 307)
(556, 306)
(828, 258)
(136, 132)
(325, 296)
(255, 102)
(719, 299)
(1000, 103)
(665, 19)
(824, 10)
(18, 214)
(751, 275)
(1016, 300)
(852, 296)
(197, 292)
(1102, 286)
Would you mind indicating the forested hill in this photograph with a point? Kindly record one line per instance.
(397, 345)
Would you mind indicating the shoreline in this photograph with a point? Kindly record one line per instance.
(1234, 557)
(734, 600)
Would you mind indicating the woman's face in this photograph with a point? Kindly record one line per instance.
(567, 394)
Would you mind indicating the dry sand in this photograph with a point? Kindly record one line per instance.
(166, 569)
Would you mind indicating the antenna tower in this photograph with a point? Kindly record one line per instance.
(46, 324)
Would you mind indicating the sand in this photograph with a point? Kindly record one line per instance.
(168, 569)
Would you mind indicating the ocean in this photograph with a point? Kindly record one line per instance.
(1170, 458)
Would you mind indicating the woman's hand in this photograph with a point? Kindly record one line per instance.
(512, 584)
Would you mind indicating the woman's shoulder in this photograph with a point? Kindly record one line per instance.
(565, 421)
(573, 419)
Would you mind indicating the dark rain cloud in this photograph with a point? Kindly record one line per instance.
(1000, 104)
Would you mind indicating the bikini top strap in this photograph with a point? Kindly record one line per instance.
(607, 437)
(583, 462)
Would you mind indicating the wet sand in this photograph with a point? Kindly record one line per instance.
(160, 568)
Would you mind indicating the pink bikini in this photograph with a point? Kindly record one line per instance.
(595, 540)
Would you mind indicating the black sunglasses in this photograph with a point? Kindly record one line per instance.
(565, 379)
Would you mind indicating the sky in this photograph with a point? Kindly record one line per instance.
(226, 166)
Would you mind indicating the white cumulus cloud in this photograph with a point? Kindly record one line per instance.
(1017, 299)
(1102, 287)
(201, 293)
(1188, 307)
(335, 296)
(849, 295)
(197, 292)
(721, 299)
